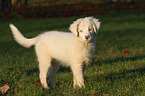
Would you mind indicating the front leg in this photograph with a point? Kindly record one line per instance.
(78, 79)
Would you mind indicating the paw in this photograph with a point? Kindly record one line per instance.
(46, 87)
(79, 86)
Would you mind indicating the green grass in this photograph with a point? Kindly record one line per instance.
(112, 74)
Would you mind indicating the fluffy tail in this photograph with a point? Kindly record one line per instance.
(21, 39)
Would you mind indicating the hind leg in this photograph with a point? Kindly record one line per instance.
(44, 65)
(44, 60)
(52, 73)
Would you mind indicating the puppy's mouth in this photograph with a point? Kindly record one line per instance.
(88, 40)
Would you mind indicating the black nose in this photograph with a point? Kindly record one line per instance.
(87, 37)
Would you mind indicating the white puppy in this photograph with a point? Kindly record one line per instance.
(70, 49)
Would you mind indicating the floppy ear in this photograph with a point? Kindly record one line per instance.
(96, 24)
(74, 27)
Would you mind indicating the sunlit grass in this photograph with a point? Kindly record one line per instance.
(112, 72)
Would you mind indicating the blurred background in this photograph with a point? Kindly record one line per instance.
(64, 8)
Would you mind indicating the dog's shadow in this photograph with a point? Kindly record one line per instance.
(130, 74)
(122, 59)
(36, 70)
(125, 74)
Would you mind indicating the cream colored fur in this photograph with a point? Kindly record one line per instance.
(53, 48)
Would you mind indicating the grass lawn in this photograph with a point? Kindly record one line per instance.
(118, 69)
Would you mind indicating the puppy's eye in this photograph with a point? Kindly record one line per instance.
(89, 29)
(81, 31)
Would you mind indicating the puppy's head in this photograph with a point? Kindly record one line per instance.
(85, 28)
